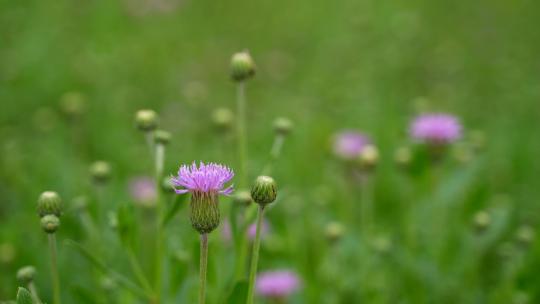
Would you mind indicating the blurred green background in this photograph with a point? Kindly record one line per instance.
(327, 65)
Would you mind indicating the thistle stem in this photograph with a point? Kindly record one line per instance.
(255, 256)
(33, 292)
(159, 160)
(203, 267)
(367, 203)
(275, 152)
(241, 132)
(54, 268)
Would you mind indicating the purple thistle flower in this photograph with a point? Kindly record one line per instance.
(142, 190)
(277, 284)
(210, 178)
(436, 128)
(349, 144)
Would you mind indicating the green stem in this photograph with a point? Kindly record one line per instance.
(54, 268)
(139, 273)
(159, 160)
(33, 292)
(255, 256)
(275, 152)
(203, 267)
(367, 204)
(241, 132)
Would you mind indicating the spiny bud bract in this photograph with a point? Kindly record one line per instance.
(26, 274)
(242, 198)
(49, 202)
(482, 220)
(242, 66)
(283, 125)
(50, 223)
(146, 120)
(369, 157)
(264, 190)
(334, 231)
(100, 171)
(162, 137)
(222, 118)
(204, 213)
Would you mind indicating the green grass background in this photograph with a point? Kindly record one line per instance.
(327, 65)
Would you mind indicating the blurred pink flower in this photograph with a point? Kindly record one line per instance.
(142, 190)
(277, 284)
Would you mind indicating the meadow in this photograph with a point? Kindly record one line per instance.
(406, 220)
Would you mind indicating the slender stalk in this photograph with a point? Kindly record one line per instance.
(33, 292)
(275, 152)
(367, 204)
(159, 160)
(139, 273)
(203, 267)
(54, 268)
(255, 256)
(241, 132)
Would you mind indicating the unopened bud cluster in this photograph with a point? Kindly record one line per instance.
(264, 190)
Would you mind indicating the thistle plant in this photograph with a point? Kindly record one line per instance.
(263, 193)
(436, 131)
(277, 285)
(25, 276)
(282, 127)
(49, 209)
(205, 183)
(147, 121)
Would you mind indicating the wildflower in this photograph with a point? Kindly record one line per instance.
(143, 190)
(205, 183)
(436, 129)
(277, 284)
(349, 144)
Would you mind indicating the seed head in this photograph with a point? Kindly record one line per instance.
(50, 223)
(264, 190)
(49, 202)
(146, 120)
(100, 171)
(26, 274)
(283, 125)
(162, 137)
(242, 66)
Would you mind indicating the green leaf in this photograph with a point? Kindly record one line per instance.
(173, 209)
(24, 296)
(239, 293)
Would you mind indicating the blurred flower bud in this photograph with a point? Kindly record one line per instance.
(369, 157)
(242, 66)
(166, 185)
(506, 250)
(146, 120)
(283, 126)
(264, 190)
(108, 284)
(462, 153)
(525, 235)
(382, 245)
(73, 104)
(49, 202)
(242, 198)
(222, 119)
(521, 297)
(26, 274)
(481, 221)
(334, 231)
(403, 157)
(80, 203)
(50, 223)
(162, 137)
(100, 171)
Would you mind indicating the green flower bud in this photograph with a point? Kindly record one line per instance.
(223, 119)
(204, 213)
(166, 185)
(100, 171)
(73, 104)
(382, 245)
(403, 157)
(50, 223)
(369, 157)
(283, 125)
(242, 66)
(80, 203)
(264, 190)
(242, 198)
(162, 137)
(146, 120)
(49, 202)
(26, 274)
(334, 231)
(482, 220)
(525, 235)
